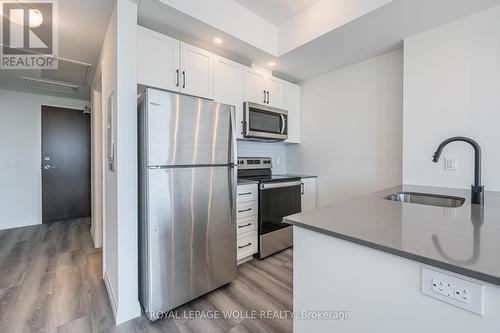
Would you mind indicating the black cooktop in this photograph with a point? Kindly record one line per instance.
(270, 178)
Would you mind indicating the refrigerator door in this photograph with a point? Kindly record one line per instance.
(191, 234)
(185, 130)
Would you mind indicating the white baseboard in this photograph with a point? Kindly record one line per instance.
(111, 294)
(19, 224)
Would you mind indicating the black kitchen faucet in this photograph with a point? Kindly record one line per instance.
(477, 196)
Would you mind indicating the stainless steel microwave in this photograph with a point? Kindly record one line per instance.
(263, 122)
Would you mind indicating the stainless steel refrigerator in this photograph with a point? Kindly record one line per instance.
(188, 176)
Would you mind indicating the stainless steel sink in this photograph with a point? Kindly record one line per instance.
(426, 199)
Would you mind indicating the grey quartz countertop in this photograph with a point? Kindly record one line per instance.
(246, 182)
(299, 175)
(464, 240)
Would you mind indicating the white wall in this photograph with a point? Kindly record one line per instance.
(20, 149)
(352, 129)
(381, 291)
(452, 87)
(119, 76)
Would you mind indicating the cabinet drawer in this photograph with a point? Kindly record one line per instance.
(246, 246)
(247, 193)
(246, 209)
(247, 224)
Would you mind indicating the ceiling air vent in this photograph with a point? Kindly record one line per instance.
(70, 71)
(51, 85)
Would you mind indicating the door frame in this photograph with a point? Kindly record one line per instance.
(97, 179)
(39, 150)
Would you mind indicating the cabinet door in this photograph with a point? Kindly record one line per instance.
(274, 87)
(228, 88)
(254, 87)
(196, 71)
(308, 193)
(291, 103)
(158, 60)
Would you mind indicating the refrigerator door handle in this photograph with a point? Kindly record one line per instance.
(233, 192)
(233, 167)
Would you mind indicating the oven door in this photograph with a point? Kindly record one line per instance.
(265, 123)
(277, 200)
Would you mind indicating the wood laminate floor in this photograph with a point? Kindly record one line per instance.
(51, 281)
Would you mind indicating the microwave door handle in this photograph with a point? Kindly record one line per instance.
(283, 124)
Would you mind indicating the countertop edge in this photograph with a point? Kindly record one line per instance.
(448, 267)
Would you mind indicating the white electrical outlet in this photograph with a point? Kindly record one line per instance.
(453, 290)
(450, 163)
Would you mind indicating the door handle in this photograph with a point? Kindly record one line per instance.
(264, 97)
(177, 75)
(302, 188)
(283, 124)
(244, 226)
(242, 247)
(247, 193)
(268, 97)
(183, 79)
(244, 210)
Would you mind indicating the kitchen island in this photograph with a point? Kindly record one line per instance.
(367, 256)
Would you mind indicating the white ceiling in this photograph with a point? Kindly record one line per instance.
(359, 38)
(276, 11)
(82, 26)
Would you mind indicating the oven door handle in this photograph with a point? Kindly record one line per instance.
(283, 124)
(278, 185)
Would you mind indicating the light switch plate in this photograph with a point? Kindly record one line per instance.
(453, 290)
(450, 163)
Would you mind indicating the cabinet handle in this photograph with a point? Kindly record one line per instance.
(242, 247)
(264, 97)
(248, 193)
(244, 226)
(177, 75)
(245, 210)
(183, 79)
(302, 188)
(268, 97)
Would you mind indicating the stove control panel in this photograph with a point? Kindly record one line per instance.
(255, 163)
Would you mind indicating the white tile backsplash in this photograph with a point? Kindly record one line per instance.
(275, 150)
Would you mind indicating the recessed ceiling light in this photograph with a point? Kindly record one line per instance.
(272, 64)
(218, 40)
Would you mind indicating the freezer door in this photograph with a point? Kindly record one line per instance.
(192, 233)
(184, 130)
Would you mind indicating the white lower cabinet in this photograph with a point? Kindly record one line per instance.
(308, 193)
(247, 215)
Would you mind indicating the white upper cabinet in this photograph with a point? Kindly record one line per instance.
(158, 60)
(291, 103)
(228, 88)
(169, 64)
(262, 88)
(197, 70)
(274, 88)
(254, 87)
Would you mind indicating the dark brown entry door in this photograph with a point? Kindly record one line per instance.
(65, 164)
